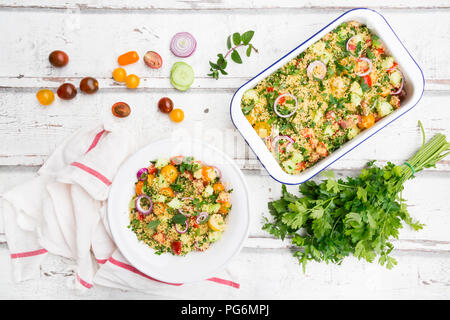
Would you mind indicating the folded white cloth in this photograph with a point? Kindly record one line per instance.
(62, 211)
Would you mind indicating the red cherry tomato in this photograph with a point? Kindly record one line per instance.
(368, 80)
(153, 60)
(176, 247)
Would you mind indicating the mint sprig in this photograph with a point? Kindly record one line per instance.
(234, 41)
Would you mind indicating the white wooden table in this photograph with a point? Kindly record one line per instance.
(95, 32)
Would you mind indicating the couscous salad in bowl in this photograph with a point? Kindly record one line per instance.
(178, 210)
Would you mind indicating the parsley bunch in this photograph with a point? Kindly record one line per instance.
(359, 216)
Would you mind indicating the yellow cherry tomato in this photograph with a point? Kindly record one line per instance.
(218, 187)
(170, 173)
(176, 115)
(263, 129)
(208, 173)
(168, 192)
(132, 81)
(150, 178)
(119, 74)
(366, 121)
(216, 222)
(139, 186)
(224, 208)
(45, 97)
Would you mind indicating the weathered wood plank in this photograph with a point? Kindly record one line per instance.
(183, 5)
(80, 35)
(162, 83)
(30, 132)
(426, 196)
(417, 276)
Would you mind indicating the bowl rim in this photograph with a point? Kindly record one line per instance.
(342, 150)
(218, 153)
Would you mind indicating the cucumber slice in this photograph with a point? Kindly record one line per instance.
(181, 88)
(181, 75)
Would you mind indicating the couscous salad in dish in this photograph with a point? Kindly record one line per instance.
(180, 205)
(326, 95)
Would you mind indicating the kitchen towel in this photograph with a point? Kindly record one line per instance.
(62, 211)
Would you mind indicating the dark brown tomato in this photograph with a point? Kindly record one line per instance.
(121, 109)
(89, 85)
(165, 105)
(58, 58)
(67, 91)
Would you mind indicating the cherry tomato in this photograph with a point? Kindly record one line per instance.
(67, 91)
(165, 105)
(368, 80)
(139, 186)
(58, 58)
(121, 109)
(263, 129)
(119, 74)
(218, 187)
(176, 247)
(208, 173)
(168, 192)
(176, 115)
(367, 121)
(224, 208)
(132, 81)
(89, 85)
(128, 58)
(153, 60)
(170, 172)
(151, 169)
(45, 97)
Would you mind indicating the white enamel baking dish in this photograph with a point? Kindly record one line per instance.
(414, 86)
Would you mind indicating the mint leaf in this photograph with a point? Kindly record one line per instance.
(236, 57)
(236, 38)
(247, 37)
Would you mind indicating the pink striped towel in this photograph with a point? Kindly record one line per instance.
(62, 212)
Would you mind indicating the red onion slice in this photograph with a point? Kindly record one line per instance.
(142, 174)
(183, 44)
(312, 68)
(276, 103)
(202, 216)
(365, 73)
(183, 213)
(185, 229)
(138, 206)
(348, 42)
(276, 139)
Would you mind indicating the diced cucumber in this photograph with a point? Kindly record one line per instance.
(289, 166)
(328, 131)
(317, 116)
(181, 76)
(395, 78)
(214, 236)
(387, 62)
(353, 132)
(161, 182)
(175, 203)
(356, 88)
(159, 198)
(355, 98)
(384, 108)
(251, 95)
(297, 157)
(211, 208)
(161, 162)
(208, 191)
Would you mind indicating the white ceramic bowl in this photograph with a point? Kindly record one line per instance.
(414, 86)
(195, 266)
